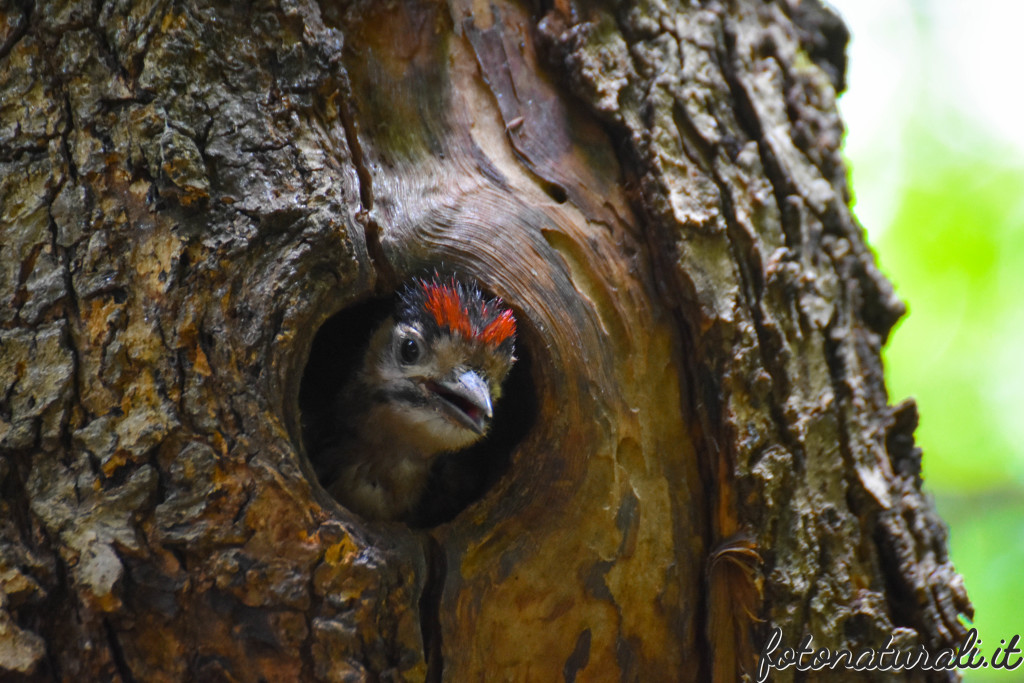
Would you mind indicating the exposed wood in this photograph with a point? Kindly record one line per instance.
(188, 193)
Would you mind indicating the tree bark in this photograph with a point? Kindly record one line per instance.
(199, 202)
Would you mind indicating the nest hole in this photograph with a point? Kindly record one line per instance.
(457, 479)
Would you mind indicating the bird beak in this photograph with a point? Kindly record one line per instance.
(467, 399)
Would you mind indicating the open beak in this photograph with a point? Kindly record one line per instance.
(466, 399)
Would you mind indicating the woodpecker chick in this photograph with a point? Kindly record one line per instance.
(427, 385)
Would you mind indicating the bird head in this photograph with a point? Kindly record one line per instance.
(438, 363)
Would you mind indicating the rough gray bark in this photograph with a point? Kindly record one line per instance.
(188, 192)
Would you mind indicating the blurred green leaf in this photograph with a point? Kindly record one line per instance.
(953, 251)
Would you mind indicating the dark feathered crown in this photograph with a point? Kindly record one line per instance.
(442, 304)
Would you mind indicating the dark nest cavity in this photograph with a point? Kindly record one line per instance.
(457, 479)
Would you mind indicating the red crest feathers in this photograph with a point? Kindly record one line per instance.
(499, 329)
(444, 302)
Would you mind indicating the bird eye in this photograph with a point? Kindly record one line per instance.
(410, 350)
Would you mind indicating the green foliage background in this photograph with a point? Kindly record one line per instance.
(941, 192)
(954, 252)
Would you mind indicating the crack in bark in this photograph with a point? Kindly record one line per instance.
(19, 32)
(751, 274)
(747, 117)
(117, 653)
(430, 607)
(371, 228)
(781, 188)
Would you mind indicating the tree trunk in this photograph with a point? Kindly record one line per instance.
(203, 205)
